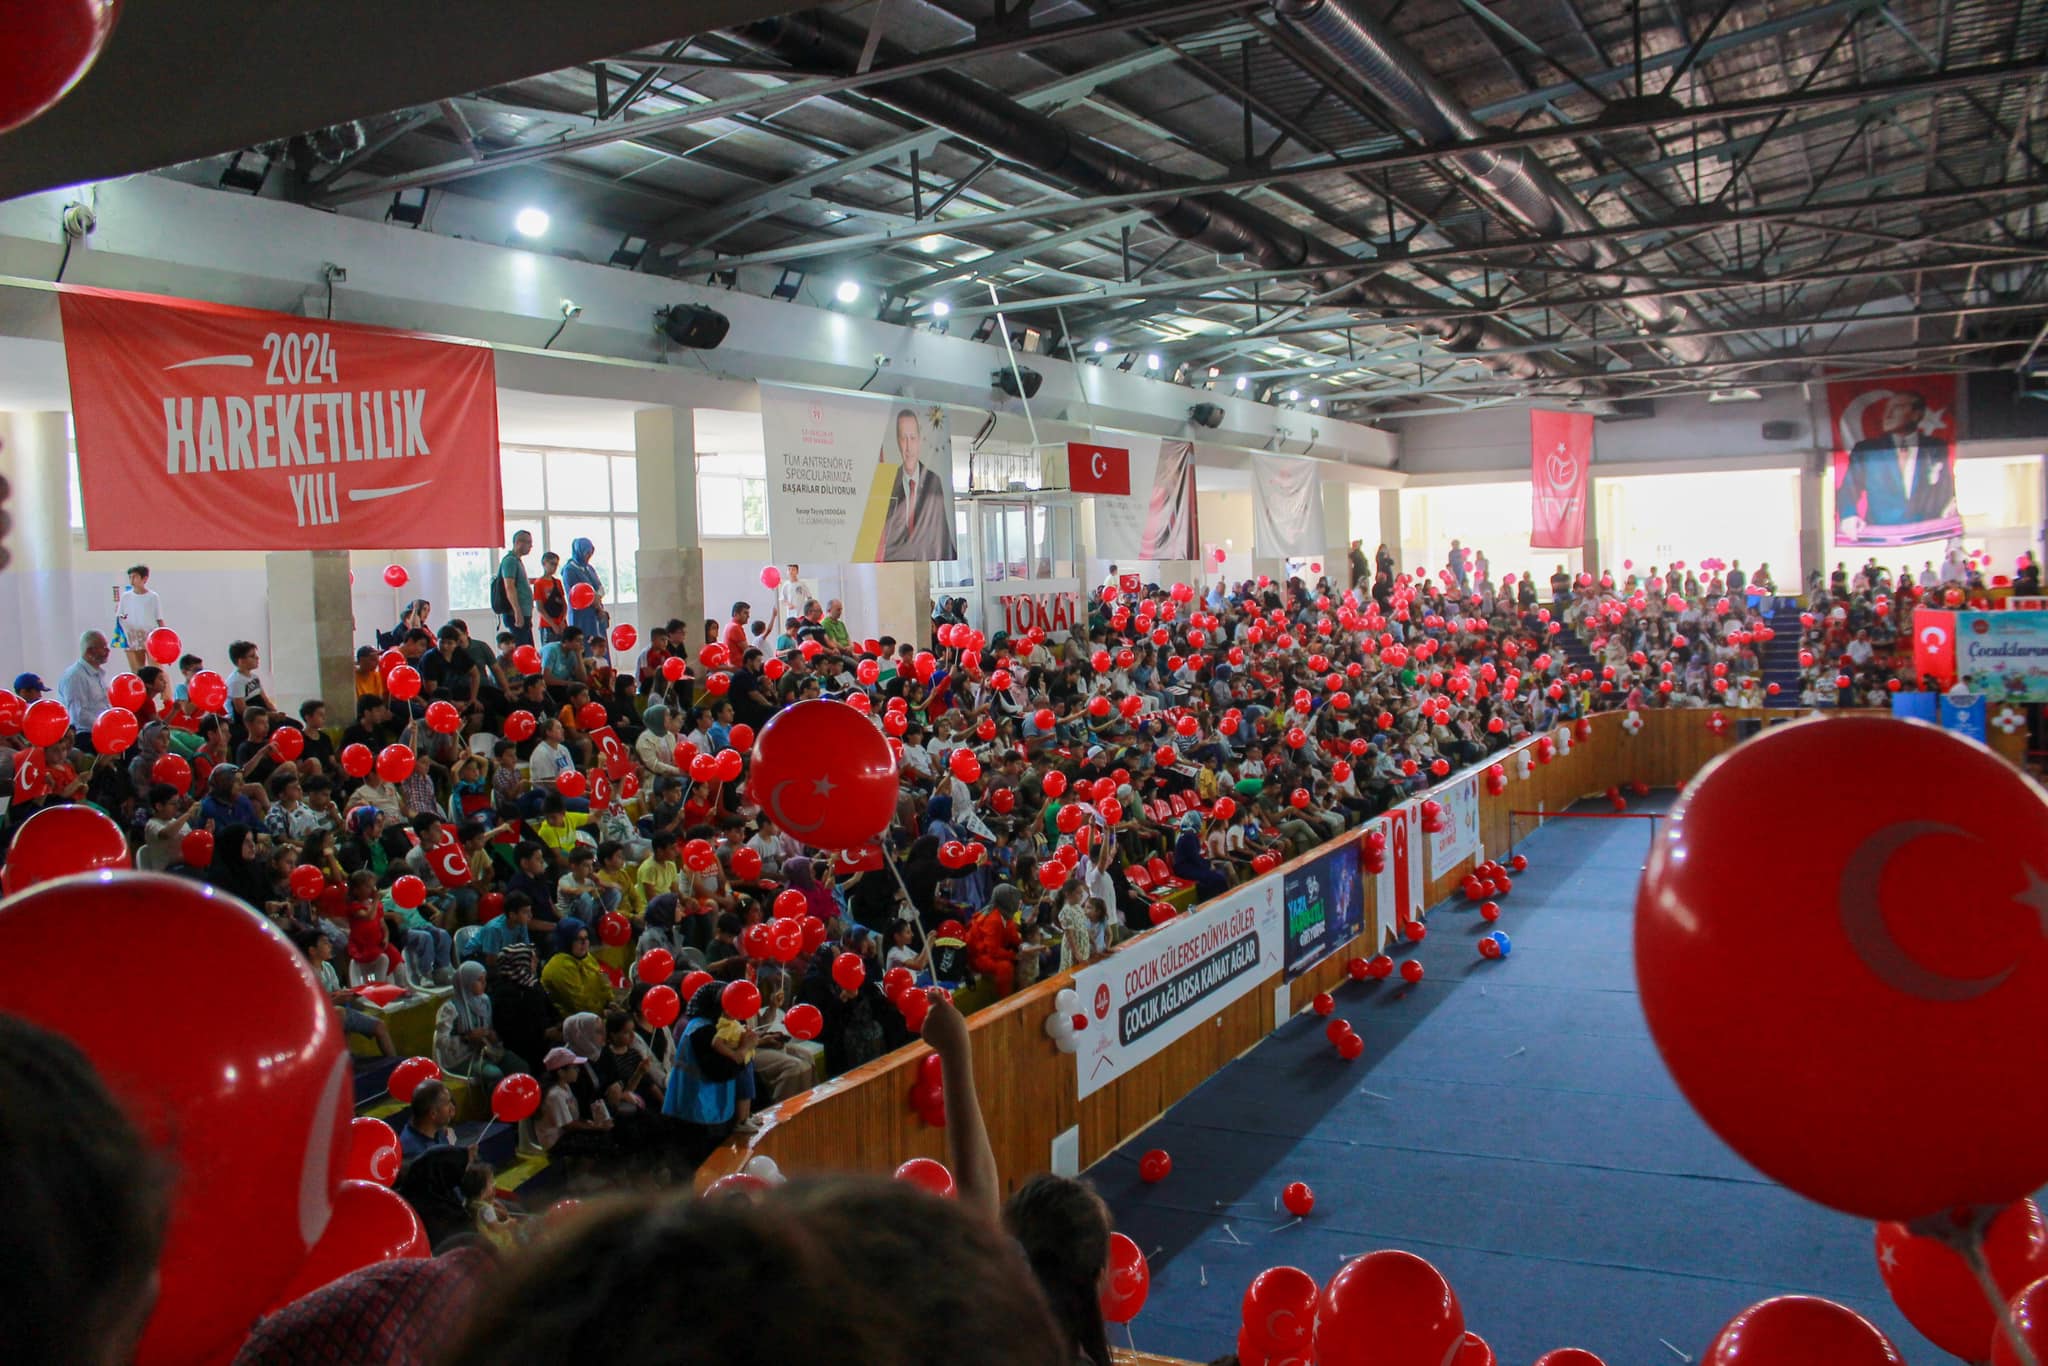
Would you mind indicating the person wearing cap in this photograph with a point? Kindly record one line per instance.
(29, 687)
(567, 1125)
(83, 687)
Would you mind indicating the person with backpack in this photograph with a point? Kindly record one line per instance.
(550, 600)
(512, 591)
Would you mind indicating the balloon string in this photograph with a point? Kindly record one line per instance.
(1973, 1255)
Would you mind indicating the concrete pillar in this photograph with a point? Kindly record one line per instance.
(671, 559)
(35, 592)
(1337, 534)
(1813, 527)
(1589, 556)
(312, 630)
(1390, 524)
(903, 602)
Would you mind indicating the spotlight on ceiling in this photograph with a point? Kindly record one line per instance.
(1315, 403)
(1241, 384)
(1294, 395)
(941, 309)
(1215, 371)
(787, 287)
(1152, 361)
(1206, 415)
(847, 291)
(1007, 381)
(1100, 347)
(530, 222)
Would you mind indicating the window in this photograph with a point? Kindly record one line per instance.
(958, 573)
(732, 495)
(559, 495)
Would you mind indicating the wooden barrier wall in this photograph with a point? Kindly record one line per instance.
(863, 1121)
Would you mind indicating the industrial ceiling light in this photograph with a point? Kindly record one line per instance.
(1101, 346)
(847, 291)
(1315, 403)
(1241, 383)
(1734, 396)
(530, 222)
(1152, 360)
(1215, 372)
(1294, 395)
(941, 309)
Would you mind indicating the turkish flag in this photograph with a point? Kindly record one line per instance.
(1934, 645)
(1560, 450)
(1098, 469)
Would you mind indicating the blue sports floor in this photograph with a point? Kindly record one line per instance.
(1510, 1121)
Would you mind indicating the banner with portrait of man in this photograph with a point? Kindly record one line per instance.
(1894, 459)
(1155, 518)
(857, 478)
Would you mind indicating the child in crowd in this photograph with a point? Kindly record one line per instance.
(735, 1041)
(319, 951)
(368, 943)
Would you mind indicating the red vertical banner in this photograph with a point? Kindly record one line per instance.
(1934, 645)
(1560, 454)
(207, 427)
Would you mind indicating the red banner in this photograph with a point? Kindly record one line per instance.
(1098, 469)
(1894, 459)
(1934, 645)
(207, 427)
(1560, 450)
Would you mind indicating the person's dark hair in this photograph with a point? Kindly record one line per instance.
(615, 1020)
(503, 747)
(606, 848)
(306, 708)
(890, 1275)
(581, 853)
(664, 839)
(554, 805)
(729, 924)
(141, 569)
(1064, 1230)
(241, 650)
(517, 901)
(527, 849)
(189, 661)
(572, 635)
(424, 1097)
(366, 704)
(87, 1209)
(159, 793)
(449, 631)
(318, 782)
(149, 674)
(419, 635)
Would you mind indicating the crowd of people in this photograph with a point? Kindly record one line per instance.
(490, 812)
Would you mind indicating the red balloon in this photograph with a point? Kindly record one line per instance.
(1473, 1351)
(656, 966)
(370, 1225)
(1411, 971)
(694, 982)
(164, 646)
(803, 1021)
(582, 596)
(373, 1151)
(2030, 1318)
(242, 1216)
(1128, 1283)
(114, 730)
(46, 721)
(402, 682)
(395, 763)
(849, 970)
(1297, 1199)
(1387, 1306)
(50, 47)
(408, 891)
(406, 1077)
(824, 774)
(514, 1098)
(1279, 1314)
(613, 929)
(1933, 1287)
(526, 660)
(58, 841)
(1324, 1003)
(288, 743)
(661, 1005)
(307, 882)
(929, 1174)
(572, 784)
(624, 637)
(443, 718)
(1155, 1166)
(1880, 1010)
(1569, 1356)
(1797, 1330)
(1350, 1048)
(741, 1000)
(195, 850)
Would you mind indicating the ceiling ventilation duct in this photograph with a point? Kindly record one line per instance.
(1518, 182)
(1223, 223)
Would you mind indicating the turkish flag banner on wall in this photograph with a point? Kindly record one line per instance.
(1098, 469)
(1934, 645)
(208, 427)
(1560, 452)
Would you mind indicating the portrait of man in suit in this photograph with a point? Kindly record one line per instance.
(919, 523)
(1900, 484)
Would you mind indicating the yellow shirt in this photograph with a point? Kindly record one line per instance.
(657, 878)
(562, 838)
(576, 984)
(632, 900)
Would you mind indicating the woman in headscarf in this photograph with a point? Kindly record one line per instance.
(922, 873)
(703, 1086)
(465, 1041)
(237, 870)
(656, 747)
(971, 885)
(663, 932)
(803, 877)
(1190, 861)
(573, 980)
(521, 1012)
(583, 1033)
(590, 620)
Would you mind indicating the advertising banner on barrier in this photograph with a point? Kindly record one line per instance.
(1894, 459)
(203, 426)
(2002, 655)
(857, 478)
(1325, 904)
(1459, 838)
(1156, 519)
(1144, 997)
(1287, 507)
(1400, 887)
(1965, 717)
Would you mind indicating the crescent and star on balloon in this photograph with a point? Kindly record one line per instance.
(1863, 920)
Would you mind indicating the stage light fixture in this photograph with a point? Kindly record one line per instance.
(1100, 347)
(1152, 361)
(693, 325)
(1241, 383)
(846, 291)
(530, 222)
(1206, 415)
(1007, 381)
(1294, 395)
(941, 309)
(788, 286)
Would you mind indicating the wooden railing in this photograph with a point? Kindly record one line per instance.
(863, 1120)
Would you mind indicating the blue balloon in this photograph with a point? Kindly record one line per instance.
(1500, 937)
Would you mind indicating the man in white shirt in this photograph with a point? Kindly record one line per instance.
(793, 595)
(137, 612)
(83, 687)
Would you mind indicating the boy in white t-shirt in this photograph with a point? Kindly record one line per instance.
(137, 612)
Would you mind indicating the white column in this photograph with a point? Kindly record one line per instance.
(1813, 529)
(35, 590)
(312, 630)
(1337, 535)
(671, 558)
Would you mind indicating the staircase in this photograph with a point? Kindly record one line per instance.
(1781, 657)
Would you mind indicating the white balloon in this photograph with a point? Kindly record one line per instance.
(1066, 1001)
(1059, 1027)
(764, 1167)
